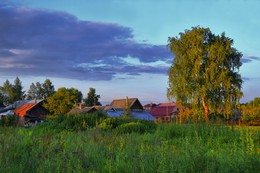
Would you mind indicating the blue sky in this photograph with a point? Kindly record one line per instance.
(117, 46)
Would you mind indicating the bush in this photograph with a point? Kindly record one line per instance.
(74, 122)
(136, 127)
(108, 124)
(252, 119)
(113, 123)
(149, 125)
(251, 113)
(8, 120)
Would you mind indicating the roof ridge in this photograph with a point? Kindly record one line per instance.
(125, 98)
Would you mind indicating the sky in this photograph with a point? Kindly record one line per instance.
(118, 47)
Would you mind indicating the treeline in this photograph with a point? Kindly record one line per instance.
(57, 102)
(10, 93)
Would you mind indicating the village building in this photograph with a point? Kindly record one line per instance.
(117, 108)
(149, 107)
(131, 106)
(31, 112)
(165, 112)
(82, 110)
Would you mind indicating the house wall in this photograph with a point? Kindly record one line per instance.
(163, 119)
(38, 111)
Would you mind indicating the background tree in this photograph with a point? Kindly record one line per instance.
(40, 91)
(35, 91)
(7, 93)
(205, 71)
(63, 100)
(18, 89)
(48, 88)
(77, 94)
(1, 99)
(11, 92)
(92, 98)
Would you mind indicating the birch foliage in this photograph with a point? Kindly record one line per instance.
(205, 71)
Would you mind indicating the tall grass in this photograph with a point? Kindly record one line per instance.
(170, 148)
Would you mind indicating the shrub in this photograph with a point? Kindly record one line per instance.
(8, 120)
(112, 123)
(136, 127)
(128, 125)
(74, 122)
(108, 124)
(252, 119)
(251, 112)
(149, 125)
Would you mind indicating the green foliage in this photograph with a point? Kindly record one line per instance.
(40, 91)
(9, 120)
(1, 99)
(63, 100)
(74, 122)
(251, 112)
(205, 71)
(122, 124)
(131, 127)
(92, 98)
(108, 124)
(35, 91)
(48, 89)
(9, 93)
(18, 89)
(171, 148)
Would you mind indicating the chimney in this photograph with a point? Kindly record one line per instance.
(80, 106)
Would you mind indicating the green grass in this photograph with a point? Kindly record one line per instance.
(169, 148)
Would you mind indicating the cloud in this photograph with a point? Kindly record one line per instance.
(57, 44)
(246, 78)
(248, 59)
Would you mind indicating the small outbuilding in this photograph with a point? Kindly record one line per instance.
(30, 112)
(134, 107)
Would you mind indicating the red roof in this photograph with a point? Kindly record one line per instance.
(167, 104)
(163, 109)
(22, 110)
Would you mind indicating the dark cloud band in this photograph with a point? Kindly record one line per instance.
(57, 44)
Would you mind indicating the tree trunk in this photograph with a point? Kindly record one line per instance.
(180, 111)
(206, 110)
(181, 117)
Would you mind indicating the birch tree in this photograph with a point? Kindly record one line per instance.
(205, 71)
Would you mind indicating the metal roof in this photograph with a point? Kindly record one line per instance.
(19, 103)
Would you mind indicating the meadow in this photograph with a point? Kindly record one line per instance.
(62, 145)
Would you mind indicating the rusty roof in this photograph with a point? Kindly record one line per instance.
(123, 103)
(22, 110)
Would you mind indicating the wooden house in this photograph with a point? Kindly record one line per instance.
(82, 110)
(149, 107)
(30, 112)
(165, 112)
(128, 103)
(118, 108)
